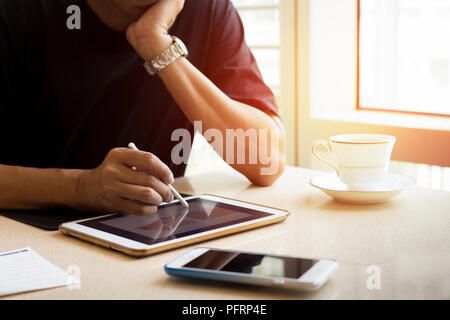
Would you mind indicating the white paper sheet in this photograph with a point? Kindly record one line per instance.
(24, 270)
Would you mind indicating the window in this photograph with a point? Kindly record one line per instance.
(404, 55)
(327, 86)
(261, 20)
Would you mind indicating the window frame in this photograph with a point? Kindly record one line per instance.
(326, 90)
(358, 66)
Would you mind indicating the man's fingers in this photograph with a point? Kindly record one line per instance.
(144, 179)
(168, 9)
(134, 208)
(143, 194)
(148, 162)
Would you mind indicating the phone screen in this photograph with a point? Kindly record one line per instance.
(255, 264)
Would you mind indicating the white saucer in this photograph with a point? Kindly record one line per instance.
(334, 187)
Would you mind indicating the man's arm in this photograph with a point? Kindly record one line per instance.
(32, 188)
(201, 100)
(113, 186)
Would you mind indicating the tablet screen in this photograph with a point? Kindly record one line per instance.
(174, 221)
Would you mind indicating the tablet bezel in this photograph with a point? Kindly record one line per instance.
(136, 248)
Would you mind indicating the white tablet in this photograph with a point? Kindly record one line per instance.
(173, 225)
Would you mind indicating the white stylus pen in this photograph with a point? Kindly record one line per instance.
(131, 145)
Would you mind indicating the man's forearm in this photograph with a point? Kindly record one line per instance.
(33, 188)
(201, 100)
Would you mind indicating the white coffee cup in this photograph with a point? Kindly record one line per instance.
(362, 160)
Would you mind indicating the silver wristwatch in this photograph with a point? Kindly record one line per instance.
(176, 50)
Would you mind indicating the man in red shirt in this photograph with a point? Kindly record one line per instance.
(73, 99)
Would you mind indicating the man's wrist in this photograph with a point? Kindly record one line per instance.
(69, 185)
(159, 43)
(50, 187)
(80, 198)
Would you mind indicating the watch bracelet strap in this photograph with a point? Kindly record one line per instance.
(164, 59)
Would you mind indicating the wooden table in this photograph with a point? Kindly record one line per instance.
(404, 243)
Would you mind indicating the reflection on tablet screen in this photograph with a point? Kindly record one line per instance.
(174, 221)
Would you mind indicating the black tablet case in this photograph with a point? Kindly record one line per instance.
(49, 219)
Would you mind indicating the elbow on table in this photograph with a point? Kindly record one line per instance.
(266, 176)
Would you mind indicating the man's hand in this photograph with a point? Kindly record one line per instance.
(149, 35)
(115, 186)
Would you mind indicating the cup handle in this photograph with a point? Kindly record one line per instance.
(328, 147)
